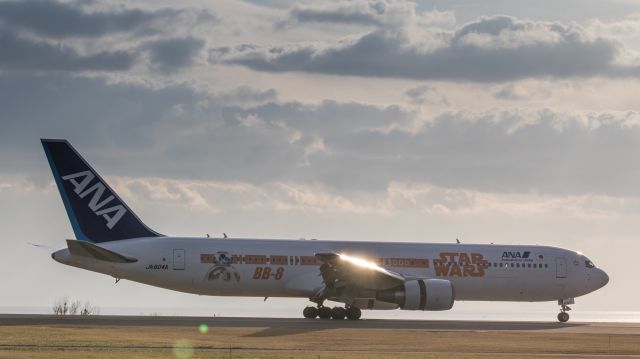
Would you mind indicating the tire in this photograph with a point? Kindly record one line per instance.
(324, 312)
(310, 312)
(338, 313)
(563, 317)
(353, 313)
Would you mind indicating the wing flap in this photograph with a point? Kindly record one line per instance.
(86, 249)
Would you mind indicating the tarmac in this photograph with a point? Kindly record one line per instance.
(318, 324)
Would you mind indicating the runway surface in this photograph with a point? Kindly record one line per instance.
(318, 324)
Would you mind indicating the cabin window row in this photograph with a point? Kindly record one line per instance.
(519, 265)
(393, 262)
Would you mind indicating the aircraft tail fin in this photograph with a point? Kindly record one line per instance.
(96, 212)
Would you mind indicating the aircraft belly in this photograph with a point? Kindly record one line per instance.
(504, 288)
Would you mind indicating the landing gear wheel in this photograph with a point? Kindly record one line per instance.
(338, 313)
(563, 317)
(310, 312)
(324, 312)
(353, 313)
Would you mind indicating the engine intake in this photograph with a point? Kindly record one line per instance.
(421, 294)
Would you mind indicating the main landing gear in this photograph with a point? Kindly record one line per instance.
(352, 313)
(563, 316)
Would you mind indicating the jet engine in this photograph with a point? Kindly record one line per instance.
(421, 294)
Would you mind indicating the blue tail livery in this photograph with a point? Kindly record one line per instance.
(96, 212)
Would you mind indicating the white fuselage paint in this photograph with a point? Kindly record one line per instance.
(177, 264)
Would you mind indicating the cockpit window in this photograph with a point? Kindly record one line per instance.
(589, 264)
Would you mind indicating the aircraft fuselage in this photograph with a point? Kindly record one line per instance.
(288, 268)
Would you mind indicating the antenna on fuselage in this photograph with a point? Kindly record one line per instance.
(224, 234)
(457, 240)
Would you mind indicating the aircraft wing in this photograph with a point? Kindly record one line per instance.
(341, 270)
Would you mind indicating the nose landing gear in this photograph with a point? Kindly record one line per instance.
(563, 316)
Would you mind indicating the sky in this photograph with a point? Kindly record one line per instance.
(495, 121)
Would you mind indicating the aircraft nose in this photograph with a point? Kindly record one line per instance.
(605, 277)
(601, 278)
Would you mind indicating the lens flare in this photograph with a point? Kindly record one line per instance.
(203, 328)
(182, 349)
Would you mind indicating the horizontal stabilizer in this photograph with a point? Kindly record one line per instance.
(86, 249)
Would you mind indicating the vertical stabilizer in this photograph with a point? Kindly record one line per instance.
(96, 212)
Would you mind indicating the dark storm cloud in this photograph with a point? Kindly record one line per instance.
(169, 55)
(176, 132)
(498, 48)
(58, 19)
(20, 53)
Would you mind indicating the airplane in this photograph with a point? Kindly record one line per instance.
(361, 275)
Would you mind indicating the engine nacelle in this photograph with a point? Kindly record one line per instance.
(421, 294)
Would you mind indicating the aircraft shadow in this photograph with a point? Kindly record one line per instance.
(298, 326)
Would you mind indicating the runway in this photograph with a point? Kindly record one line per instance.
(318, 324)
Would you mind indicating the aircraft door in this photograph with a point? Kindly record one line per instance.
(561, 267)
(178, 259)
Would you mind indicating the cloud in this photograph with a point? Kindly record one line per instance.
(335, 16)
(177, 132)
(170, 55)
(89, 110)
(60, 19)
(398, 198)
(490, 49)
(368, 13)
(627, 27)
(245, 95)
(84, 36)
(425, 94)
(20, 53)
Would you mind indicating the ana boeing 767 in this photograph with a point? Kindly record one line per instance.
(112, 240)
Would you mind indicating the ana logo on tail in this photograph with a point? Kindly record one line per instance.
(81, 182)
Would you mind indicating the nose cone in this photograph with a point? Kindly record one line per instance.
(600, 278)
